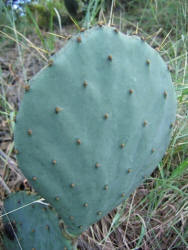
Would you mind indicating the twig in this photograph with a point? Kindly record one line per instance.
(12, 165)
(3, 184)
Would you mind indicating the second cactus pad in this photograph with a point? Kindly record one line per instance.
(93, 124)
(32, 225)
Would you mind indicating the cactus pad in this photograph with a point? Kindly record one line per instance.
(94, 123)
(35, 226)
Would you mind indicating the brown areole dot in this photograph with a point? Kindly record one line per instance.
(80, 227)
(148, 62)
(18, 201)
(99, 213)
(145, 123)
(72, 185)
(85, 204)
(153, 150)
(29, 132)
(82, 29)
(58, 109)
(50, 62)
(97, 165)
(71, 217)
(142, 38)
(122, 145)
(131, 91)
(79, 39)
(34, 178)
(123, 195)
(54, 162)
(27, 87)
(106, 116)
(85, 84)
(47, 227)
(57, 198)
(16, 151)
(129, 170)
(65, 248)
(165, 94)
(78, 142)
(116, 30)
(110, 57)
(106, 187)
(33, 230)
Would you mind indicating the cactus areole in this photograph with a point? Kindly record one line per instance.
(94, 123)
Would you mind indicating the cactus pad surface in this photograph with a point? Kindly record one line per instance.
(36, 226)
(94, 123)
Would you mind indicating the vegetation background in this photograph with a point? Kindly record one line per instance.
(155, 216)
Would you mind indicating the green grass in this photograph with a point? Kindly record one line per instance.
(155, 215)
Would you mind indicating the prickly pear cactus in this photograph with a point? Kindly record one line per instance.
(94, 123)
(35, 226)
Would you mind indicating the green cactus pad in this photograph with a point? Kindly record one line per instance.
(94, 123)
(36, 226)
